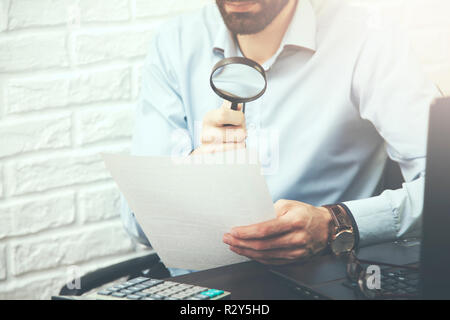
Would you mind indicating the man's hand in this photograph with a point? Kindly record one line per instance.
(223, 130)
(299, 231)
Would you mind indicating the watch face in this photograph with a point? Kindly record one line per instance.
(344, 242)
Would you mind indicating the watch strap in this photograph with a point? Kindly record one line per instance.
(340, 217)
(354, 224)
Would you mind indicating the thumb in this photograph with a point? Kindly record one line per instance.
(227, 105)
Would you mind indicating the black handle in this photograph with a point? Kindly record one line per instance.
(234, 106)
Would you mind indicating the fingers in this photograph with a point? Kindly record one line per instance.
(223, 130)
(220, 135)
(264, 229)
(285, 254)
(288, 240)
(224, 116)
(227, 104)
(218, 148)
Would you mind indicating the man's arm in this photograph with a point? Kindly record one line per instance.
(393, 93)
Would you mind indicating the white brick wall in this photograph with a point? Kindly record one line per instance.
(68, 93)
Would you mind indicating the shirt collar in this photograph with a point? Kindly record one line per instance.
(301, 32)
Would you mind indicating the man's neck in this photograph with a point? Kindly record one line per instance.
(261, 46)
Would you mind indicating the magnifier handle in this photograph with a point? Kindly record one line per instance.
(234, 106)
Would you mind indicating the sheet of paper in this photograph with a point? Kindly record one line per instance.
(186, 208)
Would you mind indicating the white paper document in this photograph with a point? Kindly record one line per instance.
(186, 208)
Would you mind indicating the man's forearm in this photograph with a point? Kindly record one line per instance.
(393, 214)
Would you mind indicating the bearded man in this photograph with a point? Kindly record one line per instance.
(344, 94)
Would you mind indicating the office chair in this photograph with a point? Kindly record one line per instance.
(147, 266)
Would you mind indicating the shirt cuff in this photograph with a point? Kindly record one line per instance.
(375, 219)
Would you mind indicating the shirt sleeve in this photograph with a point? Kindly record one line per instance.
(160, 118)
(392, 92)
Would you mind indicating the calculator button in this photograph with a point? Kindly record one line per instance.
(141, 294)
(152, 282)
(211, 293)
(128, 284)
(177, 289)
(126, 291)
(119, 294)
(183, 295)
(140, 286)
(139, 280)
(133, 297)
(120, 286)
(196, 290)
(201, 297)
(157, 297)
(104, 292)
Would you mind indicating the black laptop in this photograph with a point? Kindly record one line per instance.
(427, 272)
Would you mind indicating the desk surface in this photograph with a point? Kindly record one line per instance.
(246, 281)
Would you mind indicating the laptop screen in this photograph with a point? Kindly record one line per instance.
(435, 255)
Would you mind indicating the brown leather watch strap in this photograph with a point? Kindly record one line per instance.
(340, 218)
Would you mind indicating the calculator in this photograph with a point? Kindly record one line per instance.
(143, 288)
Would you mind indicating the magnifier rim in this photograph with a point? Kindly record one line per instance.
(238, 60)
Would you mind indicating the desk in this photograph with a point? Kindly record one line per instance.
(246, 281)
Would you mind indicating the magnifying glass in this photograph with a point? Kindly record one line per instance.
(238, 80)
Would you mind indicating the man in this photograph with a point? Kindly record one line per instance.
(344, 93)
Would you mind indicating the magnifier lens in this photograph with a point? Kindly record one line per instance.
(238, 81)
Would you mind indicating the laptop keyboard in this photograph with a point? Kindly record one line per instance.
(395, 282)
(143, 288)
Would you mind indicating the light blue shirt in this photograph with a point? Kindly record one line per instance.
(343, 95)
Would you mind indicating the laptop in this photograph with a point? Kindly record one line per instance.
(325, 277)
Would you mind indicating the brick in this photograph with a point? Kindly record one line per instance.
(147, 9)
(4, 5)
(106, 124)
(32, 13)
(2, 262)
(69, 249)
(42, 288)
(38, 93)
(33, 52)
(137, 76)
(41, 134)
(105, 46)
(104, 10)
(28, 176)
(32, 216)
(2, 180)
(99, 204)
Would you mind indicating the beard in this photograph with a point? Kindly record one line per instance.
(251, 22)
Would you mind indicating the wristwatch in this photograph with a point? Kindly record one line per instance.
(342, 236)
